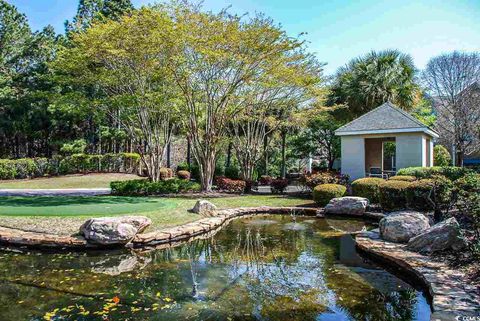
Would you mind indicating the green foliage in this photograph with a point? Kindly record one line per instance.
(441, 156)
(145, 187)
(368, 187)
(404, 178)
(369, 81)
(467, 190)
(232, 171)
(183, 167)
(393, 195)
(424, 113)
(183, 175)
(322, 194)
(326, 177)
(451, 172)
(76, 147)
(429, 194)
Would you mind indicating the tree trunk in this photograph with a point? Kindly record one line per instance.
(169, 154)
(265, 154)
(284, 160)
(229, 155)
(207, 171)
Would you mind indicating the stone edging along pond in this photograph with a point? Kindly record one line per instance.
(452, 295)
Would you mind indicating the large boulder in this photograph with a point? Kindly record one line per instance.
(442, 236)
(113, 230)
(204, 207)
(402, 226)
(348, 205)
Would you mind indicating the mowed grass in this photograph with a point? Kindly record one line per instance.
(100, 180)
(164, 212)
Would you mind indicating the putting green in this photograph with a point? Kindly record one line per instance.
(82, 206)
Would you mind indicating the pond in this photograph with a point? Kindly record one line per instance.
(261, 268)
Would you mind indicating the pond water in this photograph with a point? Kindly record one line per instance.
(261, 268)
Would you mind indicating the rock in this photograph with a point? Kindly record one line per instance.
(204, 207)
(349, 205)
(442, 236)
(402, 226)
(113, 230)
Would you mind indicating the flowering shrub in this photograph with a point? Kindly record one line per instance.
(310, 181)
(230, 185)
(279, 185)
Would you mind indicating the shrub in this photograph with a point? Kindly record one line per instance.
(368, 187)
(310, 181)
(166, 173)
(451, 172)
(183, 167)
(429, 194)
(183, 175)
(265, 180)
(142, 187)
(441, 156)
(230, 185)
(8, 169)
(279, 185)
(404, 178)
(467, 191)
(25, 168)
(322, 194)
(393, 195)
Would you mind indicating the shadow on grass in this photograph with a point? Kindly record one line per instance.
(46, 201)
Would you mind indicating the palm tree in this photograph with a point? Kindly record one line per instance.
(367, 82)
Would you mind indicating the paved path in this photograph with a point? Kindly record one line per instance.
(56, 192)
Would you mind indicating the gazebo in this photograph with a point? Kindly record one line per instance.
(384, 140)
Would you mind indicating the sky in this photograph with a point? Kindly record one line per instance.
(336, 30)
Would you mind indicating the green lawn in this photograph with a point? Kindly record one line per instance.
(68, 181)
(27, 212)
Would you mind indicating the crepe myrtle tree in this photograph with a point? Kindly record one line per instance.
(217, 56)
(126, 60)
(454, 81)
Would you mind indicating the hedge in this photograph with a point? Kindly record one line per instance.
(368, 188)
(143, 187)
(393, 195)
(77, 163)
(451, 172)
(429, 194)
(322, 194)
(404, 178)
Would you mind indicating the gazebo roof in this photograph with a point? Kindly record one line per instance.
(384, 119)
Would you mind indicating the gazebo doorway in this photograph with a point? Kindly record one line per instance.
(380, 156)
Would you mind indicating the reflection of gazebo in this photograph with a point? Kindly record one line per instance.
(384, 140)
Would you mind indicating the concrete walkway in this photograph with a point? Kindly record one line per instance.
(56, 192)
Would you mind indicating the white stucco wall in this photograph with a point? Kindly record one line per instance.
(410, 150)
(353, 156)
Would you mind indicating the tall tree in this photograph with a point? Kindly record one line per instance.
(369, 81)
(127, 61)
(217, 57)
(453, 81)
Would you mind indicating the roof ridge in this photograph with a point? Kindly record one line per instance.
(408, 115)
(362, 116)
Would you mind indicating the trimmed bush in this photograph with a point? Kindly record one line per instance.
(143, 187)
(467, 191)
(404, 178)
(166, 173)
(451, 172)
(231, 185)
(183, 175)
(368, 187)
(265, 180)
(313, 180)
(429, 194)
(393, 195)
(441, 156)
(322, 194)
(279, 185)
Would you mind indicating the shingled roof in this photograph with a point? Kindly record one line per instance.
(386, 118)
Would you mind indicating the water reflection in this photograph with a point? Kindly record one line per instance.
(254, 269)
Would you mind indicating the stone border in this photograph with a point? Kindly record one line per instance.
(449, 289)
(17, 237)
